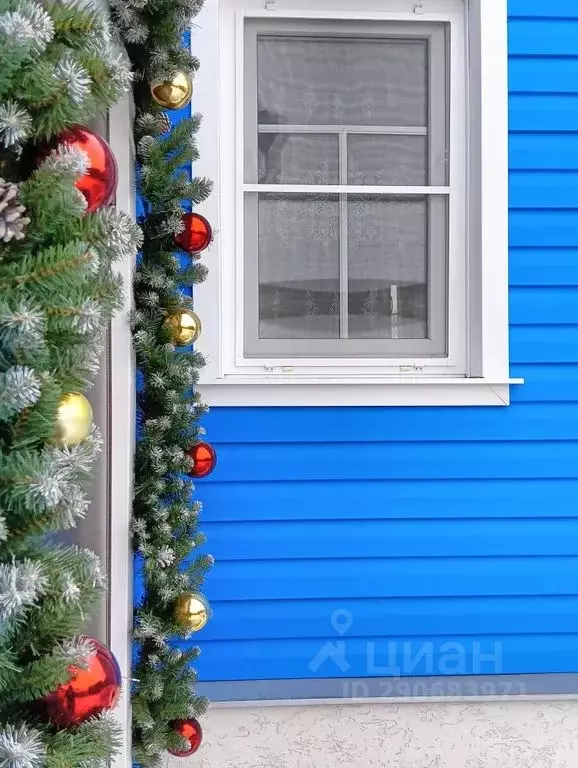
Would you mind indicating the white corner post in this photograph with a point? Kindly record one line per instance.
(120, 446)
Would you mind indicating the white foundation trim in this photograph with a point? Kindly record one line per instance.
(384, 690)
(392, 700)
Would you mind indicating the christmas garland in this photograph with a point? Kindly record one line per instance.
(57, 292)
(169, 452)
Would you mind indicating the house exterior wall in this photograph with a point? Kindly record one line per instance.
(405, 532)
(359, 528)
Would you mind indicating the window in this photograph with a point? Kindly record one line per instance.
(361, 201)
(359, 108)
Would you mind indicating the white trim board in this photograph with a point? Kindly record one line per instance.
(262, 703)
(408, 689)
(402, 392)
(122, 434)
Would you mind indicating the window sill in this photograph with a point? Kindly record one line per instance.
(356, 391)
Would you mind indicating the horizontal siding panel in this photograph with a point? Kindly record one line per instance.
(543, 75)
(544, 306)
(367, 461)
(308, 540)
(543, 344)
(557, 113)
(390, 577)
(538, 9)
(276, 425)
(544, 228)
(394, 617)
(542, 267)
(545, 383)
(532, 189)
(544, 152)
(331, 500)
(543, 37)
(374, 656)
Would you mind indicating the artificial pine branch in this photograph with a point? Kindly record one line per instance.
(57, 292)
(165, 518)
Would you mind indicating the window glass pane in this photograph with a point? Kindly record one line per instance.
(286, 158)
(386, 160)
(341, 81)
(387, 259)
(298, 266)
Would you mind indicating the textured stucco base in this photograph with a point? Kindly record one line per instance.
(521, 734)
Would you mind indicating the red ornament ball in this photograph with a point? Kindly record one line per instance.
(89, 692)
(98, 185)
(196, 235)
(203, 458)
(191, 731)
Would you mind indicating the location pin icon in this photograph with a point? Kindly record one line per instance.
(341, 622)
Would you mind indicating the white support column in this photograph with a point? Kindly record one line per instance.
(121, 437)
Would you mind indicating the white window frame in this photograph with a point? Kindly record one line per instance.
(476, 372)
(434, 192)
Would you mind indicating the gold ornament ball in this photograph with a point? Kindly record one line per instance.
(73, 419)
(175, 93)
(185, 328)
(191, 611)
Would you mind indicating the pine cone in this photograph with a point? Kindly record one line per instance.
(164, 122)
(12, 222)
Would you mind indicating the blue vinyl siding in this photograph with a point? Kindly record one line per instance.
(427, 525)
